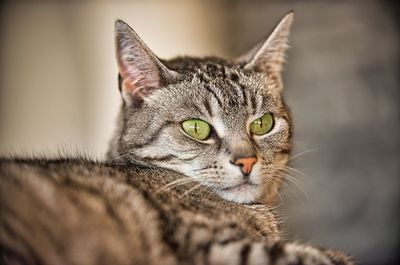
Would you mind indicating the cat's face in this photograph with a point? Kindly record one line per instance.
(222, 123)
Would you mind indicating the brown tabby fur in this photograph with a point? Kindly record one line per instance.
(82, 212)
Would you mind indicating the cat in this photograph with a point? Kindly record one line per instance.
(200, 143)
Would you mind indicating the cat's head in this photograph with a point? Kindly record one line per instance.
(220, 122)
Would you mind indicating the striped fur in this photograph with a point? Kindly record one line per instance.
(82, 212)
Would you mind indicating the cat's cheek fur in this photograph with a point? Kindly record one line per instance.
(272, 181)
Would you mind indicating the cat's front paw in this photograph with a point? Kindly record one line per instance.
(295, 253)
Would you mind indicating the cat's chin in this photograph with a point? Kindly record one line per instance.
(245, 193)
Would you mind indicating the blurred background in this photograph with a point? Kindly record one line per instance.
(58, 93)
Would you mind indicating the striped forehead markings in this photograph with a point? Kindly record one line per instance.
(228, 92)
(209, 89)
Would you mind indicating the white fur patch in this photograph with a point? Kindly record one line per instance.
(219, 127)
(244, 194)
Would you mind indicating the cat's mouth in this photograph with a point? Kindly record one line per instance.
(244, 192)
(245, 184)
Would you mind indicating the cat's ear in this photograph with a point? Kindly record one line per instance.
(269, 55)
(140, 70)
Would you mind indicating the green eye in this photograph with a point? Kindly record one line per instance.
(197, 129)
(262, 125)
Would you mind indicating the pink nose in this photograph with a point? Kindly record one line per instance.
(246, 164)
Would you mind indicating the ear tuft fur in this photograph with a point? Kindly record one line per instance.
(140, 70)
(269, 55)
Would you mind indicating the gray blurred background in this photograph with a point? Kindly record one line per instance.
(58, 91)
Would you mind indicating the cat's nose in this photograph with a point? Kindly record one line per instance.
(245, 164)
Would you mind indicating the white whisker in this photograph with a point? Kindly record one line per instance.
(302, 153)
(175, 183)
(190, 190)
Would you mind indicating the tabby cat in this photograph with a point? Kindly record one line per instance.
(196, 160)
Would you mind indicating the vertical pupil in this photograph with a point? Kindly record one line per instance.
(195, 127)
(261, 123)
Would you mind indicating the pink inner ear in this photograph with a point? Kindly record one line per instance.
(139, 68)
(139, 79)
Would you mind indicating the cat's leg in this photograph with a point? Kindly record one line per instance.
(245, 252)
(200, 243)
